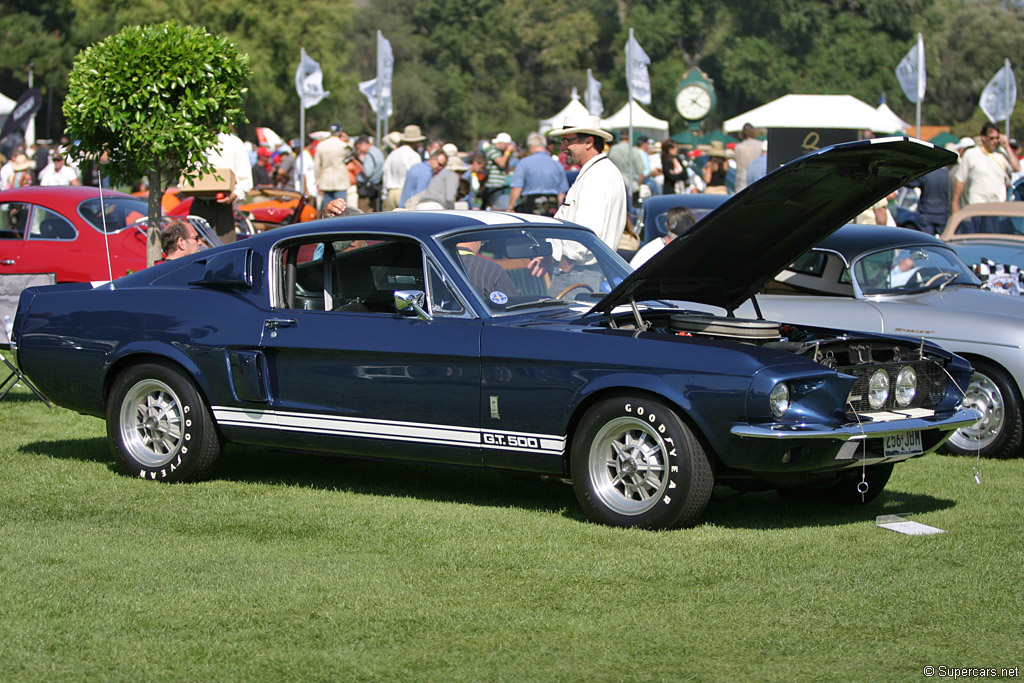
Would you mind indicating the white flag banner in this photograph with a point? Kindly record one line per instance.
(911, 72)
(309, 81)
(385, 70)
(636, 71)
(369, 88)
(1000, 95)
(592, 97)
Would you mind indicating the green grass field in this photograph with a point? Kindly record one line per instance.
(291, 567)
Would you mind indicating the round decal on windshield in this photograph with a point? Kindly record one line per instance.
(499, 298)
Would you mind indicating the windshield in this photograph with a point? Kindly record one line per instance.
(898, 271)
(117, 213)
(517, 268)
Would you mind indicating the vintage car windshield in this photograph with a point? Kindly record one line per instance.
(903, 270)
(116, 213)
(524, 267)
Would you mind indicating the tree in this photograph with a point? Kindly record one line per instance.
(154, 98)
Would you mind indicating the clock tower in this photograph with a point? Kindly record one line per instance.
(695, 97)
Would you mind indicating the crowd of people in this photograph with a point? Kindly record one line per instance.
(563, 173)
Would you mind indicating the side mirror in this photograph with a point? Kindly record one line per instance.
(410, 301)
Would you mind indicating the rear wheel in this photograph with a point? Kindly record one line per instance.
(159, 426)
(996, 397)
(635, 463)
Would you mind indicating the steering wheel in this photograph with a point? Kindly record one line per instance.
(575, 285)
(933, 278)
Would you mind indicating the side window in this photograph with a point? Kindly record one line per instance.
(442, 297)
(48, 225)
(13, 219)
(357, 274)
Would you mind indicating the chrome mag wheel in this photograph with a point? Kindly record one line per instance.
(152, 423)
(628, 466)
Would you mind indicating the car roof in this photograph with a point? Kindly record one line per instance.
(74, 193)
(420, 224)
(852, 240)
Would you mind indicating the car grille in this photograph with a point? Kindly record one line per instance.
(931, 384)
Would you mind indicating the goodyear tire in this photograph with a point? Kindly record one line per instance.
(159, 426)
(998, 434)
(635, 463)
(843, 489)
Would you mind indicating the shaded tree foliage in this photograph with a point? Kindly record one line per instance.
(154, 98)
(466, 69)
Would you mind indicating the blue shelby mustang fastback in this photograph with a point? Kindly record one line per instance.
(513, 342)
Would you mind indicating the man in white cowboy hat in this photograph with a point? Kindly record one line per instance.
(398, 163)
(597, 199)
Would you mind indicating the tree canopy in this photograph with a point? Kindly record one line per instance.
(154, 98)
(468, 68)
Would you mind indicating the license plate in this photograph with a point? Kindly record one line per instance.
(903, 443)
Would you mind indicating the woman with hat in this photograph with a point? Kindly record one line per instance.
(21, 171)
(715, 170)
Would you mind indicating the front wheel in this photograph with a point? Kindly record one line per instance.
(159, 426)
(998, 433)
(635, 463)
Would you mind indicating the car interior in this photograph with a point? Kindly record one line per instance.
(353, 275)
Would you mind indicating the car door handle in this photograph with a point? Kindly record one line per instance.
(277, 323)
(7, 262)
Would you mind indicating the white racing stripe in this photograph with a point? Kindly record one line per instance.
(390, 430)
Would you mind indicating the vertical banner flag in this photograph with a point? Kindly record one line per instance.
(999, 96)
(592, 97)
(911, 72)
(636, 71)
(380, 98)
(309, 81)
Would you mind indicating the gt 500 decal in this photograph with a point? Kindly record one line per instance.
(389, 430)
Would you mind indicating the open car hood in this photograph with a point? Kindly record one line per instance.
(727, 256)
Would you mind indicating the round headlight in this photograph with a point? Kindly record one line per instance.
(778, 399)
(906, 386)
(878, 389)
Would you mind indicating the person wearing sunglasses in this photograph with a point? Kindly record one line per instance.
(179, 239)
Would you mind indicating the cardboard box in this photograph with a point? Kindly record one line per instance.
(220, 180)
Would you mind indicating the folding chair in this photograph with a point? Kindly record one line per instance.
(10, 290)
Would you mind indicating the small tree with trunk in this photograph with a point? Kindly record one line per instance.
(154, 98)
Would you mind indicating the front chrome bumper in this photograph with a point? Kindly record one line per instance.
(876, 425)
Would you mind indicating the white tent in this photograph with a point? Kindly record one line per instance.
(574, 108)
(6, 104)
(815, 111)
(900, 124)
(643, 122)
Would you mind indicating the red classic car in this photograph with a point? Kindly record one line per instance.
(61, 230)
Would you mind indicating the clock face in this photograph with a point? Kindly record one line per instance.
(693, 102)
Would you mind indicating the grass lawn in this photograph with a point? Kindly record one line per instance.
(292, 567)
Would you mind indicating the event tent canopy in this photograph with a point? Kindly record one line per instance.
(6, 104)
(900, 124)
(815, 111)
(574, 108)
(643, 122)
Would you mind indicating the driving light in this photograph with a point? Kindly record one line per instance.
(878, 389)
(906, 386)
(778, 399)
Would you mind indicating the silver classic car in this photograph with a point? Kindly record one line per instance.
(904, 282)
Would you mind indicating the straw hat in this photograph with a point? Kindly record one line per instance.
(393, 139)
(455, 163)
(717, 149)
(412, 133)
(582, 123)
(20, 162)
